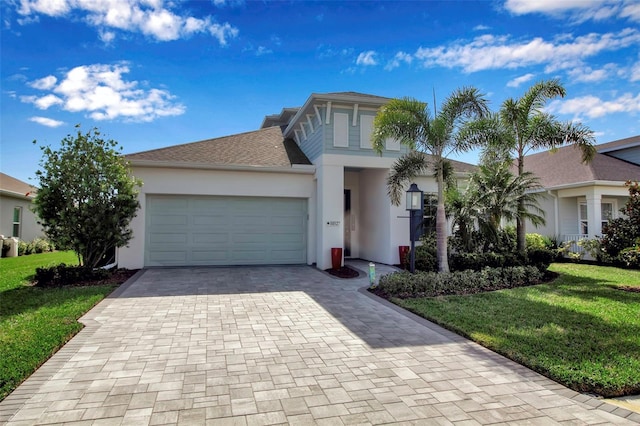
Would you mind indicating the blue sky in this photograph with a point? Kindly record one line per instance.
(153, 73)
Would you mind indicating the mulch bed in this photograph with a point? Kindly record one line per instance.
(343, 272)
(118, 277)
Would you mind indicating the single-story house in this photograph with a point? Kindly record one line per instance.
(580, 198)
(307, 181)
(16, 218)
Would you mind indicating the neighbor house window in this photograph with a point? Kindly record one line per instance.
(17, 217)
(583, 219)
(606, 212)
(430, 205)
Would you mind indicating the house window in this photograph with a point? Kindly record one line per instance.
(366, 129)
(430, 205)
(341, 130)
(17, 218)
(583, 219)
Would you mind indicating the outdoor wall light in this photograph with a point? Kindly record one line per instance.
(414, 206)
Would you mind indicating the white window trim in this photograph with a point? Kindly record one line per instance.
(19, 222)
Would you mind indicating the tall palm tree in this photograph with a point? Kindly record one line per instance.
(522, 126)
(431, 138)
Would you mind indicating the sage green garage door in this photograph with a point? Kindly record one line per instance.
(207, 230)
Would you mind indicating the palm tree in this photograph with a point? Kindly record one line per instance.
(430, 139)
(498, 195)
(522, 126)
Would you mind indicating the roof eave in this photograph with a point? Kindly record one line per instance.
(16, 195)
(294, 168)
(586, 183)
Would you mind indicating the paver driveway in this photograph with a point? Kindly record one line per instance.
(267, 345)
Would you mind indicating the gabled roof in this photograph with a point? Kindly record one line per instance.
(564, 167)
(261, 148)
(633, 141)
(12, 186)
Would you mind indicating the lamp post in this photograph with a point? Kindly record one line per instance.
(414, 206)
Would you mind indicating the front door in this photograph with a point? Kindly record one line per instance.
(347, 223)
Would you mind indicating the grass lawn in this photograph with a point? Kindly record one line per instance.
(578, 330)
(36, 322)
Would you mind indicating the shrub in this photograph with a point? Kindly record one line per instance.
(24, 248)
(538, 242)
(431, 284)
(631, 255)
(541, 258)
(40, 245)
(478, 261)
(619, 234)
(426, 258)
(59, 275)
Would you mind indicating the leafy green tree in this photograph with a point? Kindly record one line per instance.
(522, 126)
(86, 198)
(431, 138)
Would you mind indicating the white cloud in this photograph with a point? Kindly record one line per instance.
(398, 59)
(588, 75)
(367, 58)
(44, 83)
(49, 122)
(101, 92)
(635, 72)
(263, 51)
(577, 10)
(481, 28)
(594, 107)
(152, 18)
(519, 80)
(494, 52)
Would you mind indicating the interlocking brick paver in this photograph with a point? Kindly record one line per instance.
(277, 345)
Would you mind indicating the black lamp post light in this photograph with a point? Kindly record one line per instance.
(415, 208)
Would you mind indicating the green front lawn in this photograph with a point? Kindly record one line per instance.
(36, 322)
(578, 330)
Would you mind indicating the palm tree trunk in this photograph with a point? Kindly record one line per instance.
(521, 232)
(441, 224)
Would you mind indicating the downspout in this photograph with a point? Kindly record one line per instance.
(556, 213)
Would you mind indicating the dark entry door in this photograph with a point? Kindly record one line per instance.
(347, 222)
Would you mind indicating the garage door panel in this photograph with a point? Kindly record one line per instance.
(211, 238)
(210, 220)
(287, 256)
(207, 256)
(168, 203)
(169, 220)
(169, 257)
(210, 230)
(168, 238)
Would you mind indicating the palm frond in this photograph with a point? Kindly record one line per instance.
(536, 97)
(405, 168)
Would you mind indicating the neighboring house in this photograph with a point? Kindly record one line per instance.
(307, 181)
(16, 217)
(581, 198)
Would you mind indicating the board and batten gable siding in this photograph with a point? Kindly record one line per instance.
(355, 142)
(312, 146)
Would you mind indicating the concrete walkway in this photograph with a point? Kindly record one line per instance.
(271, 345)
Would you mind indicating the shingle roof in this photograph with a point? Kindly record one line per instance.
(11, 184)
(564, 166)
(619, 144)
(261, 148)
